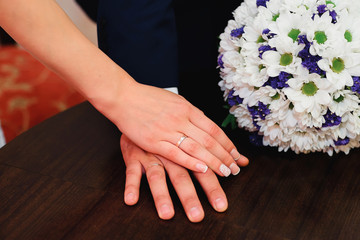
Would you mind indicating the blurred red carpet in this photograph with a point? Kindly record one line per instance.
(29, 92)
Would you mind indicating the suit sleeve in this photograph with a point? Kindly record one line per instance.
(140, 36)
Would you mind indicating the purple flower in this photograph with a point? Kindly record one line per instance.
(254, 114)
(342, 142)
(278, 82)
(331, 119)
(309, 61)
(323, 9)
(260, 111)
(238, 32)
(256, 139)
(261, 3)
(256, 125)
(220, 61)
(263, 110)
(356, 86)
(333, 15)
(234, 100)
(267, 34)
(265, 48)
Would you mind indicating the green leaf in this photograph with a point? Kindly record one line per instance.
(230, 119)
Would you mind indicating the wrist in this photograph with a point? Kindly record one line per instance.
(109, 96)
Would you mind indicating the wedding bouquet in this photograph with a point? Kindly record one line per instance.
(290, 71)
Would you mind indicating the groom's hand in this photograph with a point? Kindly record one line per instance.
(138, 161)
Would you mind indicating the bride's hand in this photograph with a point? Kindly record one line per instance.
(152, 118)
(137, 161)
(165, 124)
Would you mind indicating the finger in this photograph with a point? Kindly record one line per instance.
(199, 119)
(131, 155)
(213, 190)
(185, 190)
(211, 145)
(132, 182)
(155, 174)
(170, 151)
(194, 149)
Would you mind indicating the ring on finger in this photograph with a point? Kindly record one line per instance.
(155, 164)
(181, 140)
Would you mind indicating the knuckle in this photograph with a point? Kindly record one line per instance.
(172, 154)
(187, 161)
(193, 147)
(214, 191)
(214, 162)
(180, 179)
(130, 186)
(184, 108)
(160, 198)
(214, 129)
(191, 200)
(201, 114)
(173, 118)
(131, 172)
(209, 142)
(156, 175)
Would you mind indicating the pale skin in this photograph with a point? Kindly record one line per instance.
(138, 161)
(152, 122)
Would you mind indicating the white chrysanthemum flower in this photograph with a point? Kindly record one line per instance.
(284, 59)
(283, 115)
(246, 12)
(339, 65)
(350, 30)
(299, 6)
(264, 95)
(307, 121)
(243, 117)
(273, 135)
(253, 31)
(323, 34)
(274, 7)
(303, 141)
(289, 25)
(351, 121)
(229, 43)
(233, 60)
(353, 7)
(344, 101)
(309, 95)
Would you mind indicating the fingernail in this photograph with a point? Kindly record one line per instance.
(165, 210)
(201, 167)
(225, 170)
(195, 212)
(235, 154)
(234, 169)
(129, 197)
(220, 204)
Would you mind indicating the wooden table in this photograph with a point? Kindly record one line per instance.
(64, 179)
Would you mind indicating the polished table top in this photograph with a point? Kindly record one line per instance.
(64, 179)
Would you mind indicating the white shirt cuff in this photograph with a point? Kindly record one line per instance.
(173, 89)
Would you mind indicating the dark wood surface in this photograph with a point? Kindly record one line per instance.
(64, 179)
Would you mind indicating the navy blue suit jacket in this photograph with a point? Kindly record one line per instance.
(140, 36)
